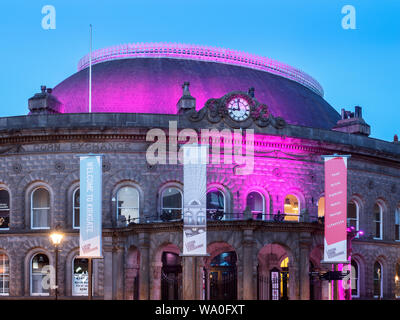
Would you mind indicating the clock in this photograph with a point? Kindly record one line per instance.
(238, 108)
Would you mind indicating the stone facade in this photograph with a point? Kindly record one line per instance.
(41, 150)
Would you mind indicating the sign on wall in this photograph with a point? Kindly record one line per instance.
(194, 199)
(335, 243)
(90, 206)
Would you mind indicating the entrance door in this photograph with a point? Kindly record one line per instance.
(171, 276)
(223, 277)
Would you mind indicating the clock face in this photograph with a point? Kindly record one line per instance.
(238, 109)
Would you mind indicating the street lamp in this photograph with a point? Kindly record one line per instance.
(56, 238)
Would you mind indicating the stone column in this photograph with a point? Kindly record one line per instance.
(200, 278)
(304, 266)
(189, 277)
(144, 272)
(248, 265)
(155, 286)
(118, 270)
(108, 269)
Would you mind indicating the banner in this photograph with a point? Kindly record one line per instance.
(194, 199)
(90, 206)
(335, 243)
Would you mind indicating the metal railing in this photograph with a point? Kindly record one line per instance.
(204, 53)
(219, 215)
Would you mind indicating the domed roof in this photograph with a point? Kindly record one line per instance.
(151, 82)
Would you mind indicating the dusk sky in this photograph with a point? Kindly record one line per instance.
(355, 67)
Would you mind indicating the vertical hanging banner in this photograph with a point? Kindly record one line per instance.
(194, 199)
(90, 206)
(335, 243)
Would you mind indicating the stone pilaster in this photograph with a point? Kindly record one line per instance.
(304, 266)
(248, 265)
(144, 273)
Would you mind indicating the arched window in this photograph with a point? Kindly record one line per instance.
(215, 204)
(4, 275)
(321, 207)
(292, 208)
(40, 209)
(397, 281)
(76, 209)
(378, 223)
(354, 277)
(171, 204)
(397, 224)
(80, 283)
(128, 204)
(256, 203)
(4, 209)
(39, 261)
(352, 215)
(377, 280)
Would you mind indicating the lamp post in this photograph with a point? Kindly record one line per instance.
(56, 238)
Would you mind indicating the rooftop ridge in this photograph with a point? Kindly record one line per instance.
(202, 53)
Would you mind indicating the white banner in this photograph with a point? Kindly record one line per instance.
(335, 242)
(90, 206)
(194, 199)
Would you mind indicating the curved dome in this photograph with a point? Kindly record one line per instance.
(153, 84)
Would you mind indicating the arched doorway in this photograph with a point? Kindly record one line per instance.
(274, 281)
(171, 276)
(223, 277)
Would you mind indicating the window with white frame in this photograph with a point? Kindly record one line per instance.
(377, 280)
(4, 275)
(354, 277)
(256, 204)
(397, 224)
(4, 209)
(76, 208)
(40, 209)
(128, 204)
(171, 203)
(353, 215)
(38, 262)
(215, 205)
(377, 223)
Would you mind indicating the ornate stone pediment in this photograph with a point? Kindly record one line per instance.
(238, 110)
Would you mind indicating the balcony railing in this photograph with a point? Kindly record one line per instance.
(219, 215)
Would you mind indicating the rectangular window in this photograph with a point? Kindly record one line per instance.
(4, 209)
(378, 223)
(41, 218)
(4, 275)
(397, 225)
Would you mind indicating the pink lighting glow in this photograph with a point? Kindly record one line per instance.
(203, 53)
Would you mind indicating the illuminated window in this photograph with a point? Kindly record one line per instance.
(352, 215)
(378, 213)
(128, 204)
(284, 277)
(4, 209)
(4, 275)
(40, 209)
(397, 224)
(76, 209)
(397, 281)
(321, 207)
(354, 277)
(377, 280)
(256, 203)
(215, 204)
(171, 203)
(39, 261)
(292, 208)
(80, 273)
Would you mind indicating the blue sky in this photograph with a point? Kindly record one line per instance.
(355, 67)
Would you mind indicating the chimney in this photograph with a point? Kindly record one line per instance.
(352, 122)
(186, 102)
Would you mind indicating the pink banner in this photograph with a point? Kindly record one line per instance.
(335, 248)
